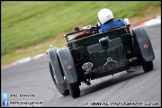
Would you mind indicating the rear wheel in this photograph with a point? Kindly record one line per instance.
(63, 92)
(74, 90)
(147, 66)
(69, 72)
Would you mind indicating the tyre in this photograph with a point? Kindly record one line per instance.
(63, 92)
(147, 66)
(74, 90)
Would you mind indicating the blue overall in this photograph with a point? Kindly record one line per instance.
(111, 24)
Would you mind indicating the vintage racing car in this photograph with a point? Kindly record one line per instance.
(89, 55)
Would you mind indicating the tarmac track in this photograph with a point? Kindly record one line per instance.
(33, 78)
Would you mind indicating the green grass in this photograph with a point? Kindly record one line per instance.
(28, 23)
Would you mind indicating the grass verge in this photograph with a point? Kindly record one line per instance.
(30, 30)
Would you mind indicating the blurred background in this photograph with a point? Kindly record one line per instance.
(29, 27)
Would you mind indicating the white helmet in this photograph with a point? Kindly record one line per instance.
(105, 15)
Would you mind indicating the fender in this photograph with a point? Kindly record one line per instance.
(68, 65)
(52, 52)
(141, 35)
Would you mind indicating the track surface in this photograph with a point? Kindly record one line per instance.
(137, 87)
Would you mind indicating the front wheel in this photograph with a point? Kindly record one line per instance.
(63, 92)
(147, 66)
(74, 90)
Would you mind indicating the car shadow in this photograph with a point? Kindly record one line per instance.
(114, 80)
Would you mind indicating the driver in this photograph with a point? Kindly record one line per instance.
(106, 20)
